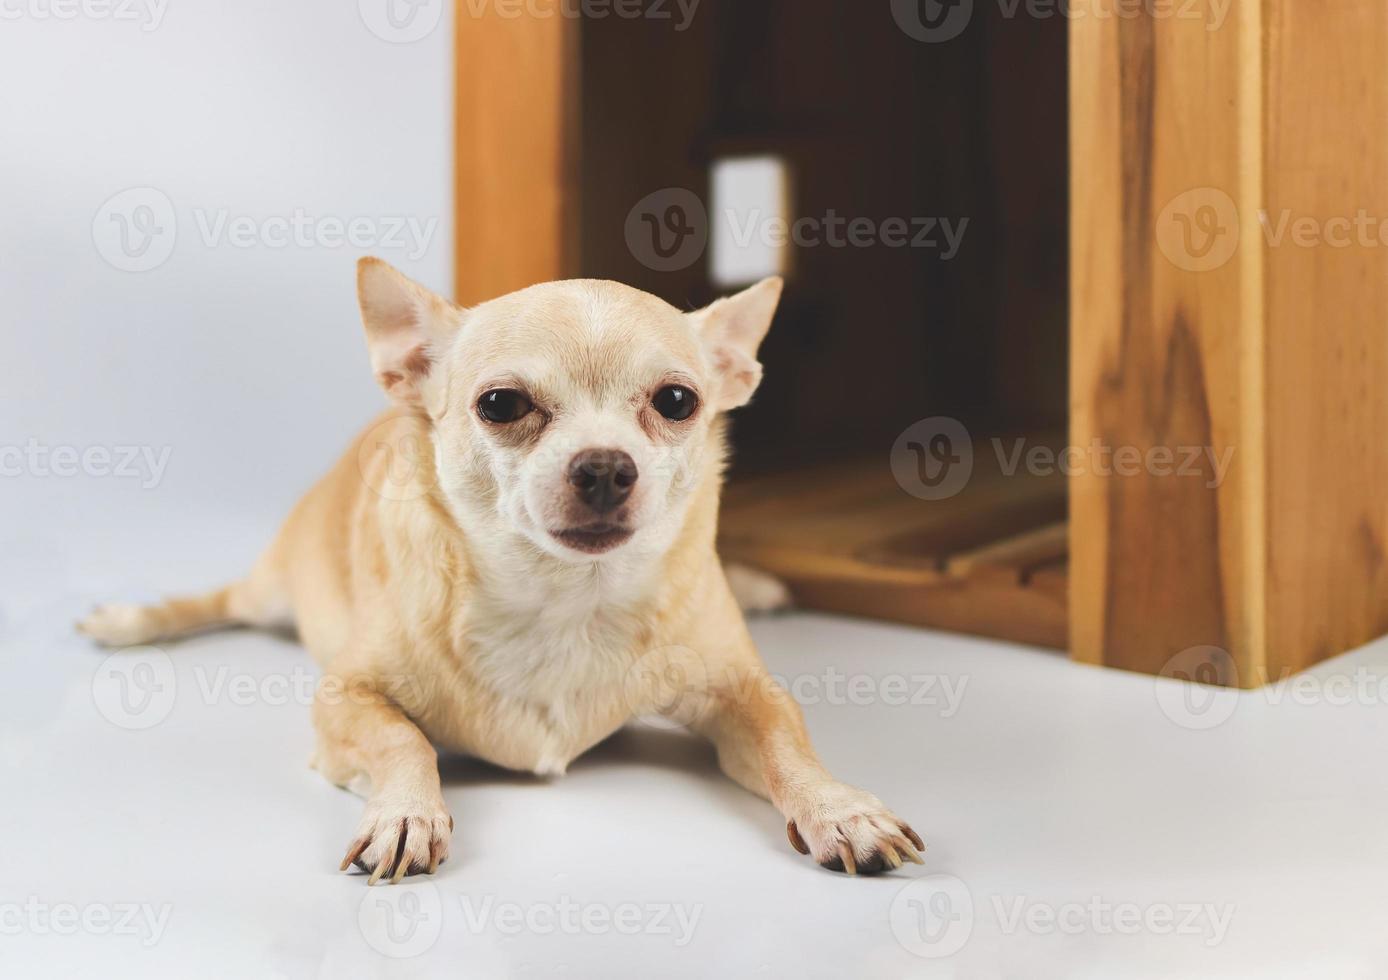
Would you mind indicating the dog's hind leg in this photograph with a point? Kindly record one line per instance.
(253, 601)
(756, 591)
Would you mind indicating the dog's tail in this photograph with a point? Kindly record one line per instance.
(249, 603)
(239, 604)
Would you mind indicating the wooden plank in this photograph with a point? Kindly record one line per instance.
(1052, 580)
(1157, 562)
(1191, 328)
(846, 538)
(516, 140)
(1326, 158)
(1015, 558)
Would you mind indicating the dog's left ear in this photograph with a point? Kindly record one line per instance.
(732, 329)
(406, 328)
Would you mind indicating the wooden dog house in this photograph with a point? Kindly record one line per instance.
(1085, 150)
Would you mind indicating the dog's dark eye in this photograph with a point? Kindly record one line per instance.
(675, 402)
(504, 405)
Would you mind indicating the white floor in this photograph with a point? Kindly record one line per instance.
(1081, 823)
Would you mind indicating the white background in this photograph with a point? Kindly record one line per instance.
(248, 363)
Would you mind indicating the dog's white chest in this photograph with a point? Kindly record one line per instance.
(553, 681)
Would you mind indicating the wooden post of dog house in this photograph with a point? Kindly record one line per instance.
(1195, 323)
(515, 160)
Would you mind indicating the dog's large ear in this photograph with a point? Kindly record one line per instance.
(732, 329)
(406, 329)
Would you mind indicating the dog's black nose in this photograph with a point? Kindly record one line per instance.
(603, 477)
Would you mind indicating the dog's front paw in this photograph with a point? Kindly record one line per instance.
(847, 829)
(398, 838)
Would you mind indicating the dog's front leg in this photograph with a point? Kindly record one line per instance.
(760, 735)
(368, 745)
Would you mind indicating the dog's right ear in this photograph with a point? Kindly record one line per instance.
(406, 328)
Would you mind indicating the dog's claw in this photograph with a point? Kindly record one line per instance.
(904, 848)
(354, 850)
(914, 837)
(846, 856)
(796, 841)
